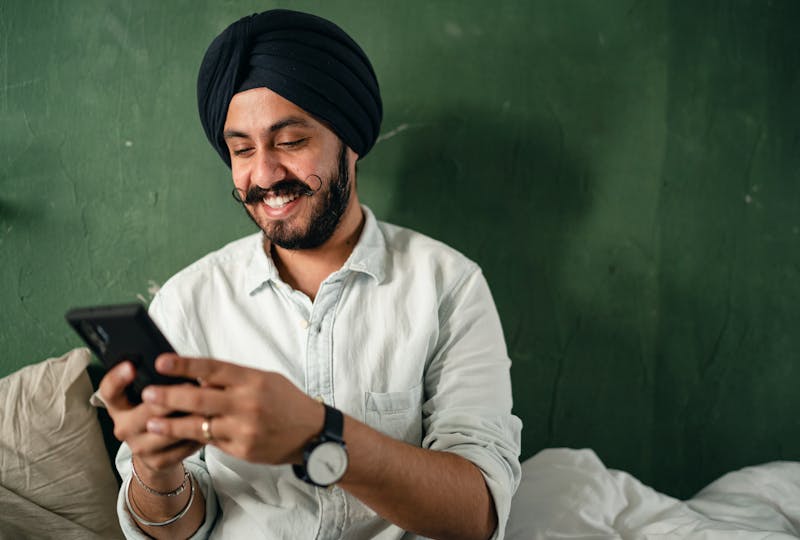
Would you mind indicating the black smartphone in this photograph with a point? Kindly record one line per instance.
(125, 332)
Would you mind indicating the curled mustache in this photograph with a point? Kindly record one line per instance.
(257, 193)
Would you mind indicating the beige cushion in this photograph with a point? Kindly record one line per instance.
(51, 445)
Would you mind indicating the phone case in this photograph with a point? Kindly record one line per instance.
(124, 332)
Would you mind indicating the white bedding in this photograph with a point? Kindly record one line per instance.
(570, 494)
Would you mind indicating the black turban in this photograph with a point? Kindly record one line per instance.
(305, 59)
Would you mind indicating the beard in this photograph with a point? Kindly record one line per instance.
(328, 205)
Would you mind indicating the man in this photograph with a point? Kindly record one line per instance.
(333, 351)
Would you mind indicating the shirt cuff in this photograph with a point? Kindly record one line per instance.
(496, 457)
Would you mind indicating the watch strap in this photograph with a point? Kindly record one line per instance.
(332, 428)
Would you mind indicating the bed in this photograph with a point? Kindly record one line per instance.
(570, 494)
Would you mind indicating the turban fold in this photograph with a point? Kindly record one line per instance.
(305, 59)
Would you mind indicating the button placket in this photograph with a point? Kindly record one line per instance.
(319, 381)
(319, 349)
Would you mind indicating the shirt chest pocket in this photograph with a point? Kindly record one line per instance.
(397, 414)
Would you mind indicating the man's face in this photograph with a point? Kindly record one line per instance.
(291, 170)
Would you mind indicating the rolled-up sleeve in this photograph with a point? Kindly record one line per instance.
(468, 391)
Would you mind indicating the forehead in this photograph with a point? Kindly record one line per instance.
(258, 108)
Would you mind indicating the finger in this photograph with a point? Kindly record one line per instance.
(130, 423)
(150, 444)
(211, 372)
(191, 428)
(204, 401)
(112, 386)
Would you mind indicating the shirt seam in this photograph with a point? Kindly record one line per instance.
(471, 270)
(347, 283)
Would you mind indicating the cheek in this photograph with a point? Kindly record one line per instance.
(299, 168)
(241, 179)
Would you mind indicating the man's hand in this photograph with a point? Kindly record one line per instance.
(157, 459)
(254, 415)
(160, 454)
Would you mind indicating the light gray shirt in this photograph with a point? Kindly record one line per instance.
(404, 337)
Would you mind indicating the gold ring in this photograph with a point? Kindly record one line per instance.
(205, 427)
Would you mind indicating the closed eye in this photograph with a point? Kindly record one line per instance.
(293, 144)
(241, 151)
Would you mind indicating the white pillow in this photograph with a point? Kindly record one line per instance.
(51, 444)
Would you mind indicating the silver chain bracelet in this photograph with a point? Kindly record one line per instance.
(173, 519)
(175, 492)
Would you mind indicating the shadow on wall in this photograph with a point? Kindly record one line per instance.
(507, 192)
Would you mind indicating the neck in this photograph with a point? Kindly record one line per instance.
(305, 269)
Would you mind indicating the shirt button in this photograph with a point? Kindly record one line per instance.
(304, 324)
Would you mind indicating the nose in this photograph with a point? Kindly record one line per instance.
(267, 169)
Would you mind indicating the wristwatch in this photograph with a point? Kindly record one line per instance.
(325, 457)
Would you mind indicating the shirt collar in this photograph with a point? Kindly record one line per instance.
(261, 269)
(369, 256)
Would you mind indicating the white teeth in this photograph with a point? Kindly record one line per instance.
(279, 201)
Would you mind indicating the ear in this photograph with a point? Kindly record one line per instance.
(352, 157)
(352, 161)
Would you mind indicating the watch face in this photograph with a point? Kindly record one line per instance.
(327, 463)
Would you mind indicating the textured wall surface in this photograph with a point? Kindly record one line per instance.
(625, 172)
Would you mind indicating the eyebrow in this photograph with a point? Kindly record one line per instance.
(277, 126)
(291, 121)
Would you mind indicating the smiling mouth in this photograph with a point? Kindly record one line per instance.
(279, 201)
(279, 195)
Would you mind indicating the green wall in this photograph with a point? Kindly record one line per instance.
(625, 172)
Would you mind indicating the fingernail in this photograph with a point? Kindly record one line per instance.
(148, 394)
(124, 372)
(155, 426)
(166, 363)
